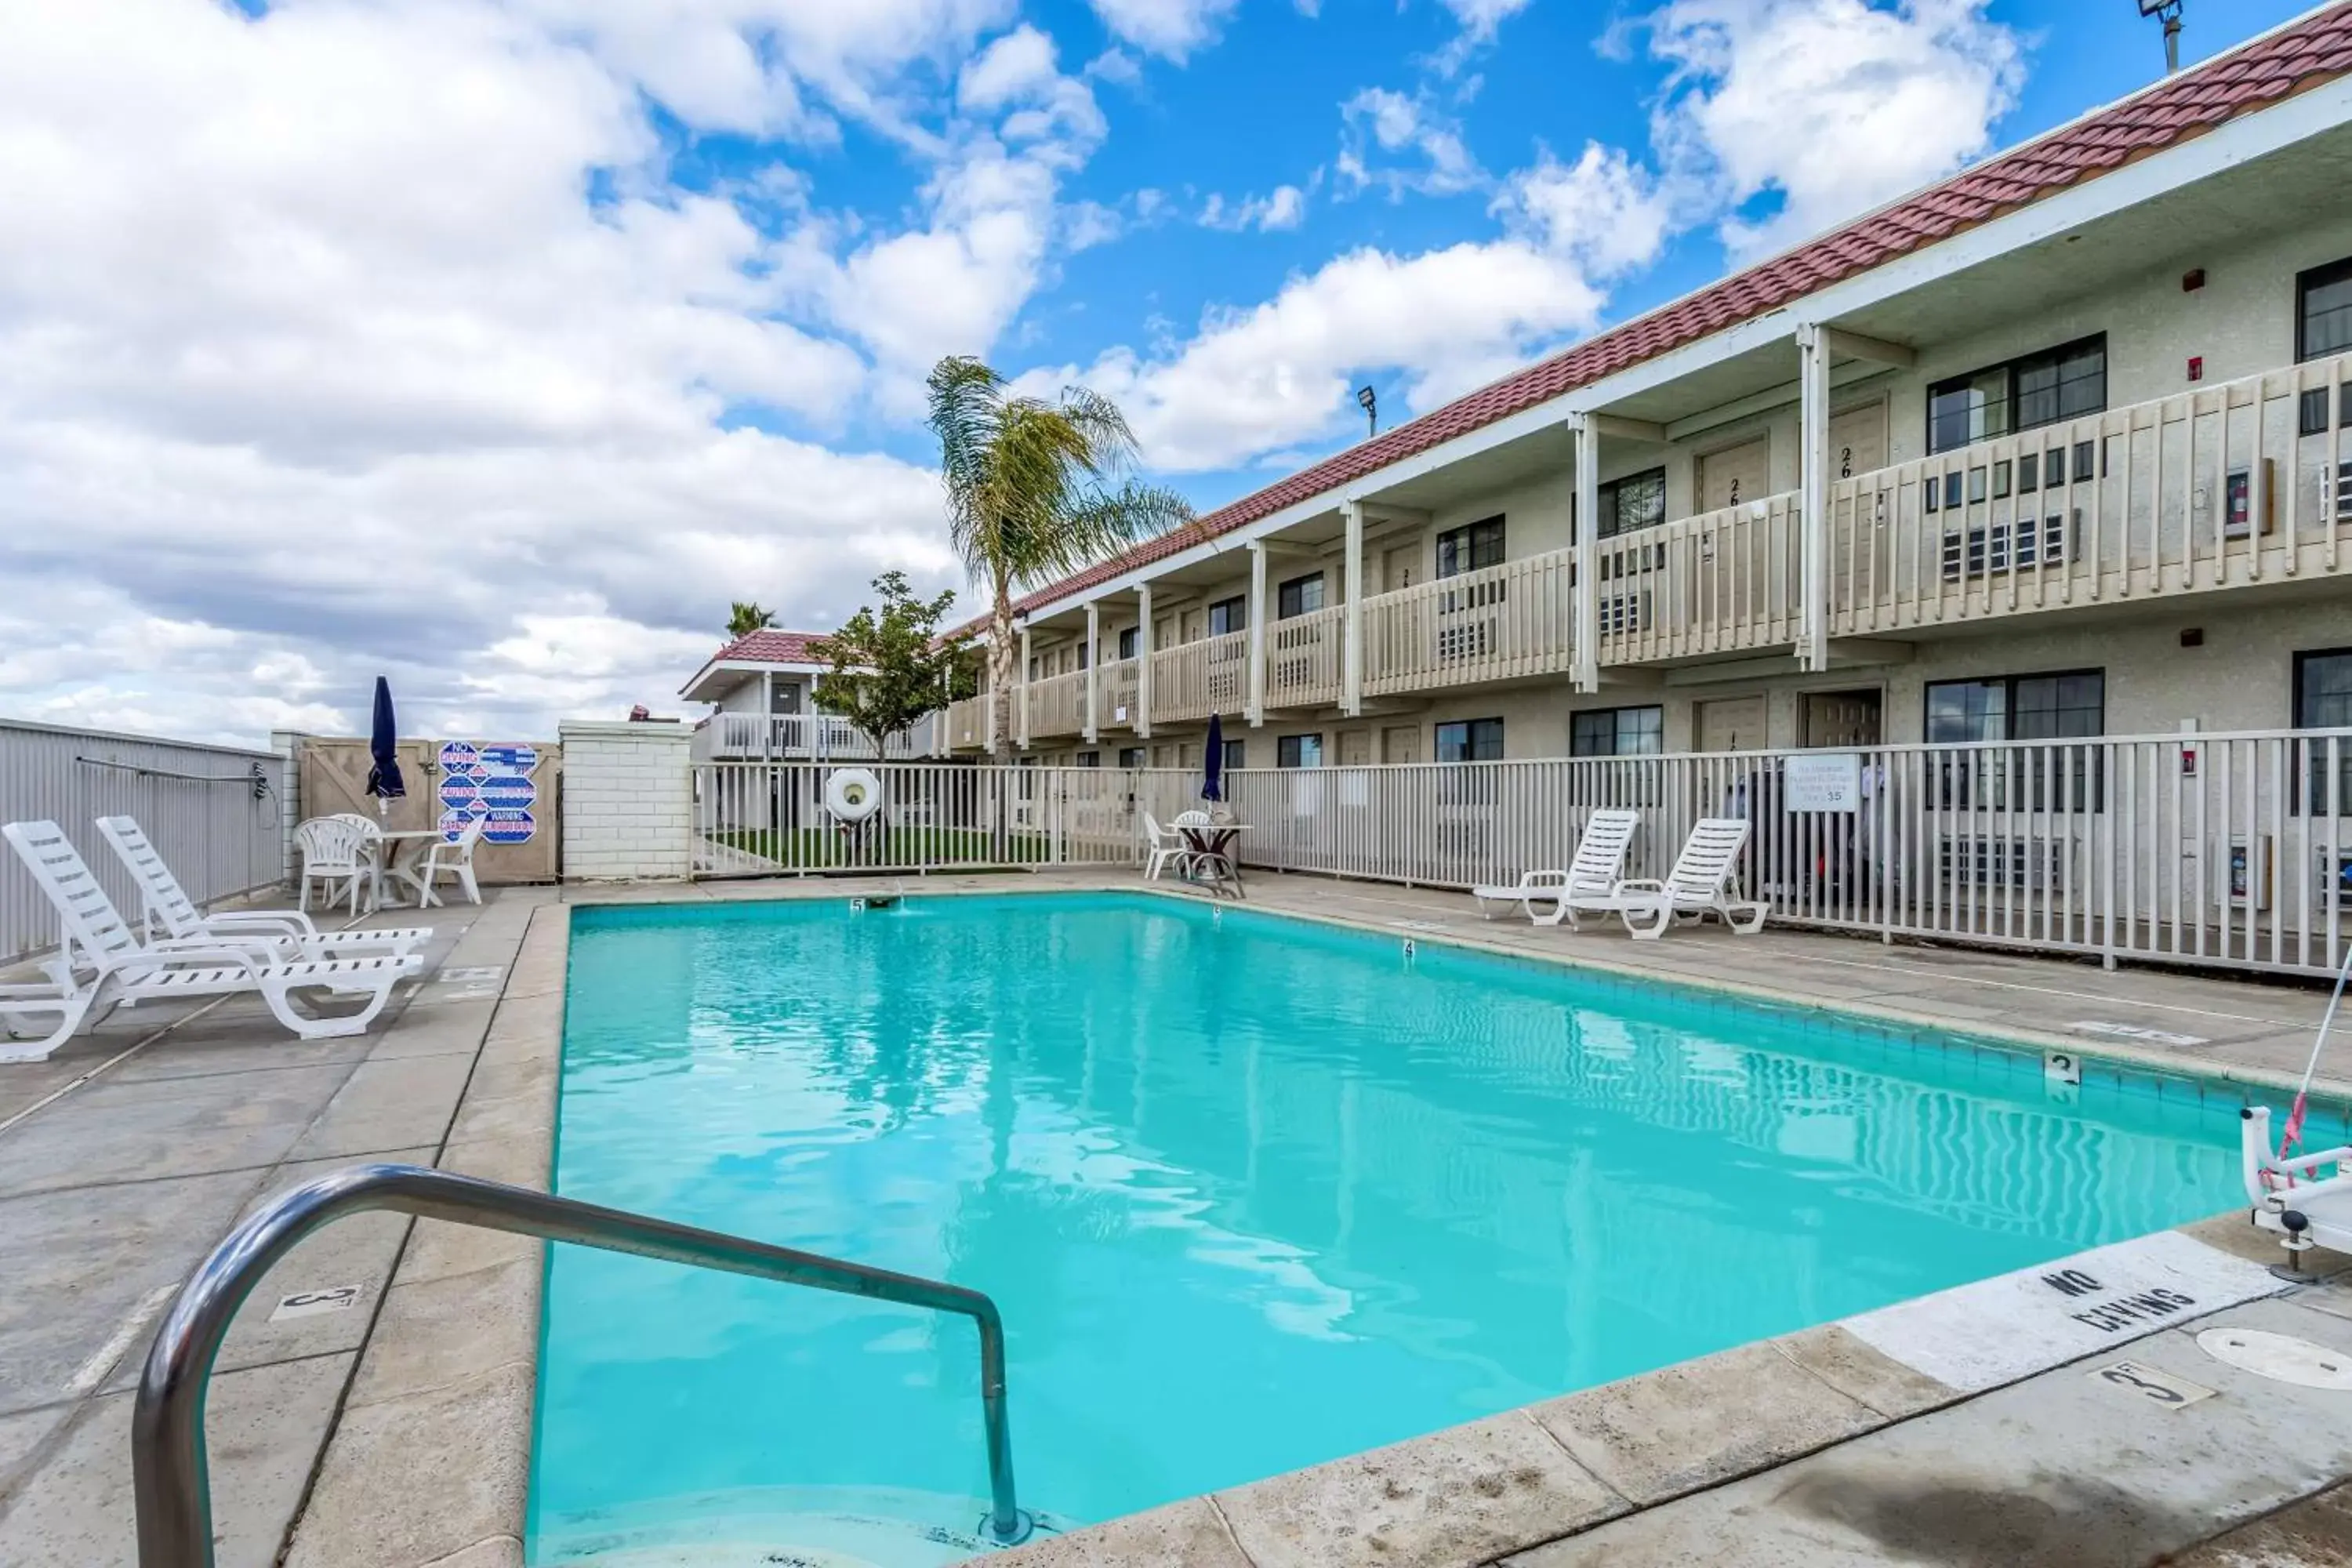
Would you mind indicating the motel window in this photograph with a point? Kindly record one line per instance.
(1470, 740)
(1237, 754)
(1461, 550)
(2066, 706)
(1299, 596)
(2323, 701)
(2063, 706)
(1618, 732)
(1635, 501)
(1127, 641)
(1085, 651)
(2022, 394)
(2323, 311)
(1228, 615)
(1089, 759)
(1298, 752)
(1130, 756)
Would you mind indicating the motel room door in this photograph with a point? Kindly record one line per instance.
(1842, 721)
(1731, 724)
(1735, 474)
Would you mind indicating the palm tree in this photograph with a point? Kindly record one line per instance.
(1035, 490)
(748, 618)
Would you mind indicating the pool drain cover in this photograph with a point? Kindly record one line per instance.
(2281, 1358)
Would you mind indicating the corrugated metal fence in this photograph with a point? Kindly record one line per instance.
(215, 811)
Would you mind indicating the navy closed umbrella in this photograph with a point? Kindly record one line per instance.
(1211, 787)
(384, 782)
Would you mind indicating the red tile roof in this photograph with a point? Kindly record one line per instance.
(2300, 55)
(770, 646)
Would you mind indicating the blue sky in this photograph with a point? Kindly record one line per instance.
(497, 344)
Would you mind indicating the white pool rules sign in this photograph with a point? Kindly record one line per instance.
(1822, 781)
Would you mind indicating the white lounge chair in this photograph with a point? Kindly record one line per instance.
(1166, 845)
(101, 962)
(280, 935)
(1697, 887)
(444, 857)
(1598, 862)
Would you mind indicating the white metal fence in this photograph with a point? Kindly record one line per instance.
(756, 819)
(2220, 849)
(2233, 850)
(215, 811)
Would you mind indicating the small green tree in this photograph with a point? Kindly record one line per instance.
(748, 618)
(890, 666)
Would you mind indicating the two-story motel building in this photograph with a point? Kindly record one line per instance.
(2055, 447)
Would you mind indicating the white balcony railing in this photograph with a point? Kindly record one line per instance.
(1493, 623)
(1116, 692)
(1302, 659)
(967, 722)
(815, 737)
(1722, 582)
(1058, 705)
(1194, 679)
(2243, 482)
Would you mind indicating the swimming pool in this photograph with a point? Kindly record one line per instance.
(1252, 1192)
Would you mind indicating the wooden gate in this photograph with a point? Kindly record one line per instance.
(334, 772)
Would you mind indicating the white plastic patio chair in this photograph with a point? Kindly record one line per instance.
(338, 851)
(1166, 847)
(1697, 887)
(100, 961)
(282, 934)
(1598, 862)
(445, 858)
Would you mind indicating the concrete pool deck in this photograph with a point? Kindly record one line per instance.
(396, 1433)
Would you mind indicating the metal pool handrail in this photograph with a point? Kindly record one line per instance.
(173, 1493)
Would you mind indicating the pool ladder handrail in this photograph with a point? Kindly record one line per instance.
(172, 1490)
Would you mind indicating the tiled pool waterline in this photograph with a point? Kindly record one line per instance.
(1252, 1192)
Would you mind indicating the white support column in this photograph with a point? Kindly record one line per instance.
(1813, 457)
(1585, 621)
(1351, 645)
(767, 714)
(1256, 711)
(1090, 728)
(1021, 697)
(1143, 661)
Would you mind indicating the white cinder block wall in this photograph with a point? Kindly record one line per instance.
(627, 801)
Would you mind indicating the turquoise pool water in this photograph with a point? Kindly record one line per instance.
(1252, 1194)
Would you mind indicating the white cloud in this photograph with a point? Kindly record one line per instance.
(1403, 145)
(1170, 28)
(1012, 70)
(1285, 207)
(1834, 105)
(1605, 210)
(1481, 17)
(315, 360)
(1282, 373)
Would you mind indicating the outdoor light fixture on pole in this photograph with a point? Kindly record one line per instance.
(2169, 12)
(1371, 406)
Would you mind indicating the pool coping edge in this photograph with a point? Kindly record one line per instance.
(428, 1464)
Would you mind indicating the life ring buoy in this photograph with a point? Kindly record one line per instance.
(853, 795)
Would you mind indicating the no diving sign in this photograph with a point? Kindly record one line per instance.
(1979, 1336)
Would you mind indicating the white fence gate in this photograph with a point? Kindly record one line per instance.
(213, 811)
